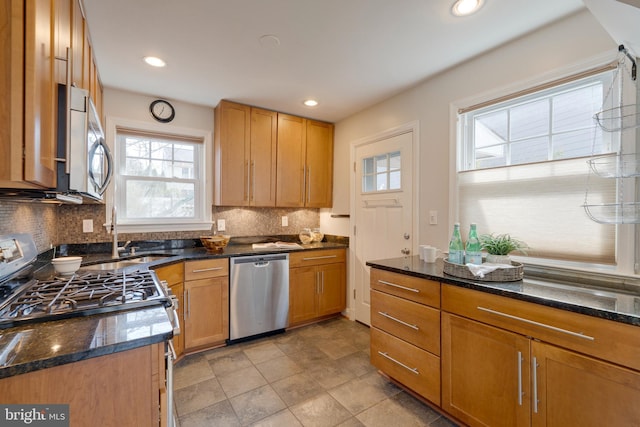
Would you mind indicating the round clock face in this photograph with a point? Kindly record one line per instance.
(162, 110)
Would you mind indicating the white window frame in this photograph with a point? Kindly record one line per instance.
(625, 246)
(202, 220)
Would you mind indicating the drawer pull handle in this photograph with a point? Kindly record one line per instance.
(202, 270)
(388, 316)
(311, 258)
(386, 355)
(532, 322)
(398, 286)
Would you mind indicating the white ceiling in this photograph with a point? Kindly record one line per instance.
(348, 54)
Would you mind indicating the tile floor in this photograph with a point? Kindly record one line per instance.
(318, 375)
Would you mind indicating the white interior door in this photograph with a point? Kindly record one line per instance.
(383, 208)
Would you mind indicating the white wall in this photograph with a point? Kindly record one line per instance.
(552, 49)
(135, 106)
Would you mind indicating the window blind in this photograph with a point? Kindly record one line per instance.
(541, 204)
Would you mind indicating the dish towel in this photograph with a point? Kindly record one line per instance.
(486, 268)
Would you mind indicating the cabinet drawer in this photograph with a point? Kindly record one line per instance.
(172, 274)
(605, 339)
(206, 268)
(306, 258)
(415, 289)
(416, 323)
(413, 367)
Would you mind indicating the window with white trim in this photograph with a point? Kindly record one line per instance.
(160, 179)
(522, 169)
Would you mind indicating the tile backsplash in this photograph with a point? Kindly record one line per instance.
(54, 225)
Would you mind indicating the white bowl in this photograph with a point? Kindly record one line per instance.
(66, 265)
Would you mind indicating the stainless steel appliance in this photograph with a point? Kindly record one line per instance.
(258, 295)
(85, 165)
(24, 299)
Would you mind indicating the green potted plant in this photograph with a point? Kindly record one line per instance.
(499, 246)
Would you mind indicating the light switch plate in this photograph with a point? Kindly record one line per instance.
(285, 221)
(433, 217)
(222, 225)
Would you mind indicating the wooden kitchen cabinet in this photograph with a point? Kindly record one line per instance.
(514, 363)
(573, 389)
(245, 155)
(174, 276)
(119, 389)
(304, 162)
(405, 331)
(317, 285)
(27, 117)
(481, 384)
(206, 303)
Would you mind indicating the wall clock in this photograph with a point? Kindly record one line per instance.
(162, 110)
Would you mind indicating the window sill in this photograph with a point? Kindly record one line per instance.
(158, 228)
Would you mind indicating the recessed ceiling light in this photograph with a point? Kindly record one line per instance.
(466, 7)
(154, 61)
(310, 102)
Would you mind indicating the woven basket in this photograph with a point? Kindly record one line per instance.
(499, 275)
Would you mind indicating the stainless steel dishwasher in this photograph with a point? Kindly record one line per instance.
(259, 295)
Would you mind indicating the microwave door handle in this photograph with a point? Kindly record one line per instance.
(101, 187)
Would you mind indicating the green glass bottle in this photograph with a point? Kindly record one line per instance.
(456, 250)
(473, 253)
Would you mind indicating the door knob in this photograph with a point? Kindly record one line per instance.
(407, 236)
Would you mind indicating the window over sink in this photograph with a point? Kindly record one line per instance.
(161, 181)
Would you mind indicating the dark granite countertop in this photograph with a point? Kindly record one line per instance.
(607, 303)
(42, 345)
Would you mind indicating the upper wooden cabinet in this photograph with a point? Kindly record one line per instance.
(27, 113)
(245, 155)
(35, 36)
(264, 158)
(305, 163)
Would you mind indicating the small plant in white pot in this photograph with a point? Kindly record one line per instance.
(499, 246)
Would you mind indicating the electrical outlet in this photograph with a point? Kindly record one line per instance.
(222, 225)
(433, 217)
(87, 226)
(285, 221)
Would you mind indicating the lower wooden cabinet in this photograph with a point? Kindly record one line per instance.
(119, 389)
(493, 377)
(174, 276)
(206, 303)
(317, 285)
(410, 365)
(576, 390)
(485, 373)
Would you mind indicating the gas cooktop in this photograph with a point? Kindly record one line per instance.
(24, 299)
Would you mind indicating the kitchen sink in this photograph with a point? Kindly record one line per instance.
(124, 263)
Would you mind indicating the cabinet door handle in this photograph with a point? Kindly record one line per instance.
(533, 322)
(309, 184)
(202, 270)
(187, 298)
(304, 183)
(246, 188)
(253, 180)
(319, 257)
(388, 316)
(534, 368)
(520, 378)
(67, 138)
(386, 355)
(399, 286)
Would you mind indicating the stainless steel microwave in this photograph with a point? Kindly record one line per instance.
(84, 163)
(84, 155)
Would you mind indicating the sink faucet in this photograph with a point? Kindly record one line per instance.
(115, 249)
